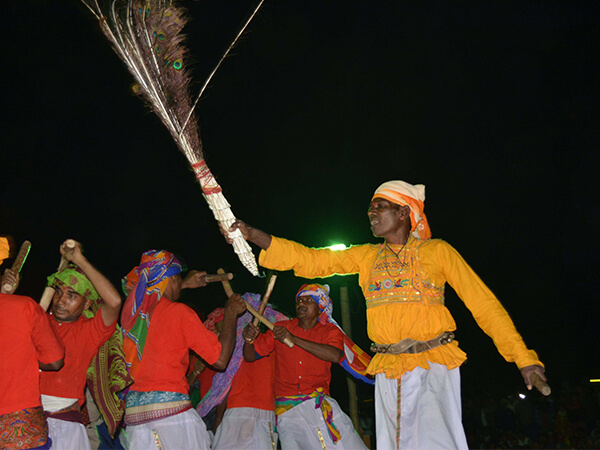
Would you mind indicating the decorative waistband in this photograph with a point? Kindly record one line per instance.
(26, 428)
(285, 403)
(412, 346)
(143, 407)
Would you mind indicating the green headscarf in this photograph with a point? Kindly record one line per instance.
(74, 277)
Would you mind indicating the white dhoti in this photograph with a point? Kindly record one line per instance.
(303, 427)
(430, 410)
(67, 435)
(246, 429)
(185, 430)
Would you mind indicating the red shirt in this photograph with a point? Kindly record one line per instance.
(174, 330)
(296, 370)
(252, 385)
(26, 337)
(206, 378)
(82, 338)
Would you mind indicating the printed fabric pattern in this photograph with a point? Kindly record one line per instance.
(285, 403)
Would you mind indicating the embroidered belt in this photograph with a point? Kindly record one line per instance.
(144, 407)
(26, 428)
(285, 403)
(413, 346)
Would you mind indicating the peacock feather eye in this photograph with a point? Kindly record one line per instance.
(178, 64)
(158, 49)
(161, 36)
(147, 12)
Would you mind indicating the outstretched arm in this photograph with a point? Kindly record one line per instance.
(109, 294)
(234, 307)
(325, 352)
(258, 237)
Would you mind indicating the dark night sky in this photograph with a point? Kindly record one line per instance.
(494, 106)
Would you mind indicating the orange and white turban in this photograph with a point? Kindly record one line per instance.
(403, 193)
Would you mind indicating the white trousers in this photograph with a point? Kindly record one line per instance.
(430, 410)
(246, 429)
(185, 430)
(303, 427)
(67, 435)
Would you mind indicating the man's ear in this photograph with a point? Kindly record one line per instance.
(88, 303)
(404, 211)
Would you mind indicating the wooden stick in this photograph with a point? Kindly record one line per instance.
(226, 284)
(18, 264)
(540, 384)
(264, 320)
(250, 309)
(219, 277)
(266, 297)
(49, 291)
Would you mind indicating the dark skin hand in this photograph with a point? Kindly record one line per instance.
(194, 279)
(527, 371)
(254, 235)
(9, 278)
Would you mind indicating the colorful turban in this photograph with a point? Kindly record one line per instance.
(145, 286)
(320, 294)
(4, 249)
(355, 360)
(74, 277)
(402, 193)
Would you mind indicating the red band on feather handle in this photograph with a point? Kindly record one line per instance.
(205, 177)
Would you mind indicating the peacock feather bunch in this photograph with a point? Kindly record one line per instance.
(147, 36)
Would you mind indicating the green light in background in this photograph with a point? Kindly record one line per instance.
(337, 247)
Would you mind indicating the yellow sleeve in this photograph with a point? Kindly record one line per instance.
(4, 249)
(313, 262)
(483, 304)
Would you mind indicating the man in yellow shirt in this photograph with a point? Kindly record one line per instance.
(417, 389)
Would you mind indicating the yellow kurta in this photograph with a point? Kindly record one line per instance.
(404, 292)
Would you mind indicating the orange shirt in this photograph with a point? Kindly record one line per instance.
(296, 370)
(82, 338)
(406, 301)
(252, 385)
(174, 330)
(26, 337)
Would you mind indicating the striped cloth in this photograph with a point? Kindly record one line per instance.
(285, 403)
